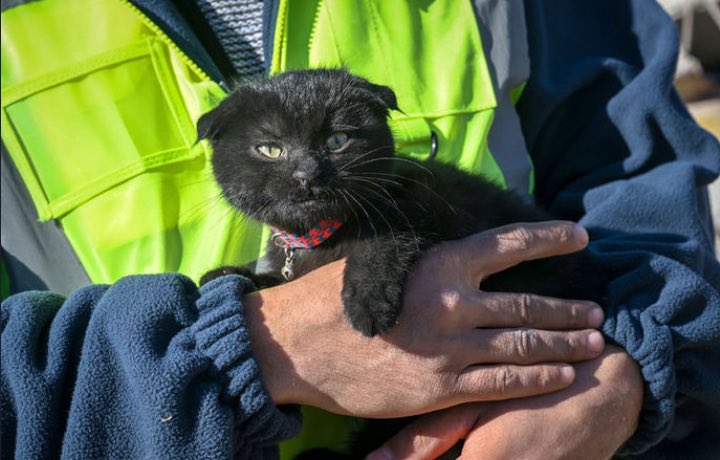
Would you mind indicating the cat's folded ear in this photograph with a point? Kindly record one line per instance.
(208, 124)
(211, 124)
(385, 95)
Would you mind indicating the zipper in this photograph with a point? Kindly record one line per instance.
(162, 36)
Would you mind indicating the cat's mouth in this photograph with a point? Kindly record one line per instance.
(306, 202)
(310, 197)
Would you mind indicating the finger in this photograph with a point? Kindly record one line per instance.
(530, 346)
(508, 381)
(431, 435)
(499, 309)
(498, 249)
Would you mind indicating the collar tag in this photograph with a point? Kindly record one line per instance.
(287, 270)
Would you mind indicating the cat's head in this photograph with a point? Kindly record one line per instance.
(293, 149)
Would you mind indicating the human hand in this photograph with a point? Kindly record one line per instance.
(589, 420)
(449, 338)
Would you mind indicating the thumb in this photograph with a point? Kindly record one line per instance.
(430, 435)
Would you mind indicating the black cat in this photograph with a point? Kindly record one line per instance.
(311, 154)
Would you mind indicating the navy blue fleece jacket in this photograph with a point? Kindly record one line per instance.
(150, 367)
(615, 149)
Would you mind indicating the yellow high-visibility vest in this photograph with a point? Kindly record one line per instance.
(99, 111)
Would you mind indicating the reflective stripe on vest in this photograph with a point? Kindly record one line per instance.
(99, 111)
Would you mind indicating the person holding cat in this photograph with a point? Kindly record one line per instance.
(98, 136)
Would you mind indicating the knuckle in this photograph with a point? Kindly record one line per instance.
(524, 305)
(573, 344)
(564, 234)
(450, 299)
(506, 380)
(524, 343)
(579, 314)
(544, 378)
(521, 237)
(446, 364)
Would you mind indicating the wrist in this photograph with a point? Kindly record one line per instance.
(272, 358)
(620, 368)
(298, 333)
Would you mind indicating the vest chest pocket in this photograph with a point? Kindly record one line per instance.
(98, 117)
(80, 130)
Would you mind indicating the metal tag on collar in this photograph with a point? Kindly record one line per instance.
(287, 270)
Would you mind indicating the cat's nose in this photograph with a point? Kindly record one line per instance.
(306, 171)
(304, 176)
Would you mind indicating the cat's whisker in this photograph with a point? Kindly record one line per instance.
(378, 173)
(203, 176)
(350, 206)
(389, 226)
(385, 196)
(349, 163)
(395, 158)
(346, 217)
(372, 179)
(362, 208)
(227, 212)
(334, 201)
(196, 209)
(266, 203)
(372, 182)
(263, 202)
(389, 181)
(393, 204)
(390, 200)
(354, 163)
(422, 184)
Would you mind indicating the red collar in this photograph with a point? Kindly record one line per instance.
(314, 237)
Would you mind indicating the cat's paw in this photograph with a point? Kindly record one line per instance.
(260, 280)
(371, 308)
(225, 270)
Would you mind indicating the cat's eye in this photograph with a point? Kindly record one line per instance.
(270, 151)
(336, 141)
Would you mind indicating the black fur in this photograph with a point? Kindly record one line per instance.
(393, 207)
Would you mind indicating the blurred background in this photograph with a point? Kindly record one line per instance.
(698, 72)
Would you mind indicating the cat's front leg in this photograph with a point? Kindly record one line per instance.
(374, 280)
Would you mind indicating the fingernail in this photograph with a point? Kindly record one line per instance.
(567, 374)
(581, 234)
(596, 317)
(382, 453)
(595, 342)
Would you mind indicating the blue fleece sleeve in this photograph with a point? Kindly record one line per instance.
(615, 149)
(150, 367)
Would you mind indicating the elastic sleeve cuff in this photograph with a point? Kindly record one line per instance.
(221, 333)
(655, 360)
